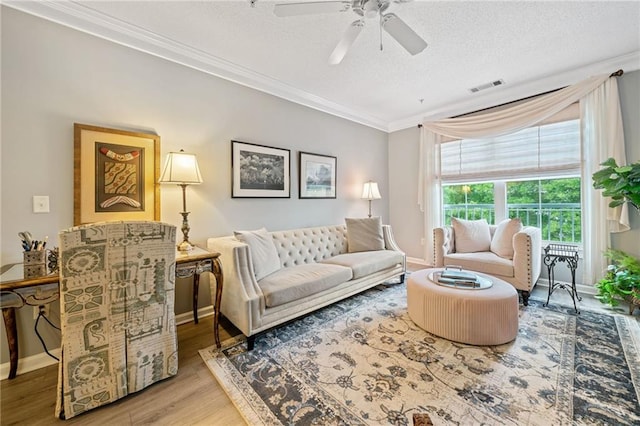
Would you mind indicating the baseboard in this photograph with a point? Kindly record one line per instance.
(31, 363)
(581, 288)
(186, 317)
(41, 360)
(417, 261)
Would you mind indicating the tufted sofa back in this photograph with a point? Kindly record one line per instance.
(309, 245)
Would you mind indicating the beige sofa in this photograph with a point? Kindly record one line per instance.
(522, 270)
(315, 269)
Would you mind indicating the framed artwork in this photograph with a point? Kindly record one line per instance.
(115, 175)
(317, 176)
(260, 171)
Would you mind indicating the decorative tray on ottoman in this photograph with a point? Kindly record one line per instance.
(459, 278)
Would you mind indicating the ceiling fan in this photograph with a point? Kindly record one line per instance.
(390, 22)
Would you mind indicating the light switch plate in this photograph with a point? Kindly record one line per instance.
(41, 204)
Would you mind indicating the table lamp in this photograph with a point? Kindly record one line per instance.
(182, 169)
(370, 192)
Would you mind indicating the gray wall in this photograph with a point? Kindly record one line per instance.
(629, 89)
(405, 215)
(53, 76)
(403, 162)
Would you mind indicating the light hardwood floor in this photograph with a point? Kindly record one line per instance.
(193, 397)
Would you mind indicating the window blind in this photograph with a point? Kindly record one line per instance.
(539, 151)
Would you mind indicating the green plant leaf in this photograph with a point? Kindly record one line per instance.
(621, 183)
(609, 162)
(623, 169)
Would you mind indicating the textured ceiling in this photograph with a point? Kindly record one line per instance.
(532, 46)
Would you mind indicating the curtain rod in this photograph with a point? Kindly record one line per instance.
(615, 74)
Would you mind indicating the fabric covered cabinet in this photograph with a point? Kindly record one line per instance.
(117, 297)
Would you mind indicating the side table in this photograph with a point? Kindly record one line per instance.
(17, 292)
(192, 264)
(554, 253)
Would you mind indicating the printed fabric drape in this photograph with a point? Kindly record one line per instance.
(508, 120)
(117, 298)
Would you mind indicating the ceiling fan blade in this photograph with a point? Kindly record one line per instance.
(346, 41)
(403, 34)
(310, 8)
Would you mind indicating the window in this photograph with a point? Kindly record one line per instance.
(553, 205)
(471, 201)
(533, 174)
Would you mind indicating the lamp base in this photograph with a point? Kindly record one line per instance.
(185, 246)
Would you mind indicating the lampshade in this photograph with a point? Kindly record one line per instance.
(181, 168)
(370, 191)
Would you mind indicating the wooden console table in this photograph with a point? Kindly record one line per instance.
(16, 292)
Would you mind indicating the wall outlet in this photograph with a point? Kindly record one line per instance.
(44, 308)
(422, 241)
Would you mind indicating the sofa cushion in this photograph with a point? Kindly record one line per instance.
(471, 235)
(295, 282)
(367, 262)
(487, 262)
(502, 241)
(364, 234)
(264, 255)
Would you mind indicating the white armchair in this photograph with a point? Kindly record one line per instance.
(522, 271)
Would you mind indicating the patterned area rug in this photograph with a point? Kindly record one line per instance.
(363, 361)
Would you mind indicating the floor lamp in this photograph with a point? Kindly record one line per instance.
(370, 192)
(182, 169)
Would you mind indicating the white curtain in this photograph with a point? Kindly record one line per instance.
(510, 120)
(515, 118)
(602, 138)
(429, 187)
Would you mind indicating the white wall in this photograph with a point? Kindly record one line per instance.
(53, 76)
(403, 159)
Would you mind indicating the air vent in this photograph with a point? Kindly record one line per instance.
(487, 85)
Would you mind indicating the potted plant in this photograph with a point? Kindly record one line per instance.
(622, 280)
(621, 183)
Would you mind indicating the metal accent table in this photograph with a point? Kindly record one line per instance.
(554, 253)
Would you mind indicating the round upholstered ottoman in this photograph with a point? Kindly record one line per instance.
(482, 317)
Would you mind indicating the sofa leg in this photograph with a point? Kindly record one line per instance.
(525, 298)
(401, 278)
(251, 341)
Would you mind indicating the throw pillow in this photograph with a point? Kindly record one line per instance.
(471, 235)
(502, 242)
(264, 255)
(364, 234)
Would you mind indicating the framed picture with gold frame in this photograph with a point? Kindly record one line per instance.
(115, 175)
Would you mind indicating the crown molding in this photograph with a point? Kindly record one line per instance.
(81, 18)
(628, 62)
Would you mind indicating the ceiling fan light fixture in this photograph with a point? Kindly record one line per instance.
(393, 25)
(371, 8)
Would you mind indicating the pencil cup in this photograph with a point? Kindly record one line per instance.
(35, 263)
